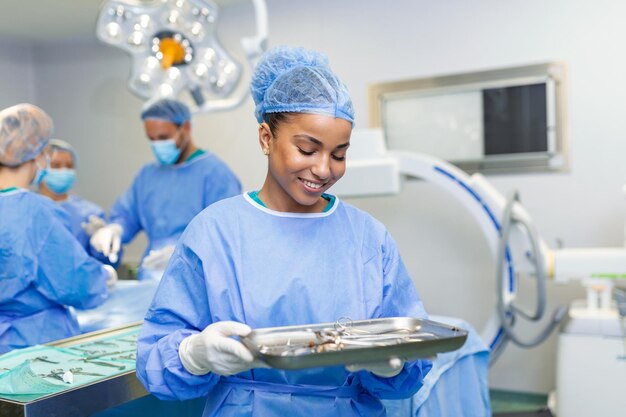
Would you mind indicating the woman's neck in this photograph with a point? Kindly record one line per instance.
(19, 176)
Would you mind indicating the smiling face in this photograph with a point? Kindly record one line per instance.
(306, 157)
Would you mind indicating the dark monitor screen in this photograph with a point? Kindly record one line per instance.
(515, 119)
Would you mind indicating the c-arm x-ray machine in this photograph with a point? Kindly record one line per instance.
(519, 251)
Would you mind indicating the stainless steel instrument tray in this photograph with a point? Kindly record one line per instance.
(350, 342)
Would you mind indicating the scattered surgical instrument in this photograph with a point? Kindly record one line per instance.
(43, 359)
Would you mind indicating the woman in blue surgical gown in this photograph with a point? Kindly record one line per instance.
(85, 216)
(288, 254)
(43, 268)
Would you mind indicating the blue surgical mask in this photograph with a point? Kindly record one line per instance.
(59, 181)
(165, 151)
(41, 172)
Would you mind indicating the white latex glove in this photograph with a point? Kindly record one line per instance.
(93, 224)
(112, 276)
(158, 259)
(385, 369)
(108, 240)
(213, 350)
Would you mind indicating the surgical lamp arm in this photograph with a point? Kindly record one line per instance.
(253, 46)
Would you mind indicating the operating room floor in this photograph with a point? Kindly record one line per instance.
(518, 404)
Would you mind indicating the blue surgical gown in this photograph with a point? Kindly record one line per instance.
(164, 198)
(79, 211)
(240, 261)
(43, 269)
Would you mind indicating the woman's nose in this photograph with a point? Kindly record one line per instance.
(321, 168)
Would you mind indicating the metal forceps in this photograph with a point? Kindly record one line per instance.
(129, 357)
(103, 343)
(79, 371)
(344, 325)
(43, 359)
(101, 363)
(106, 354)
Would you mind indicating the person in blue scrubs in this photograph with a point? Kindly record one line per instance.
(168, 193)
(43, 268)
(287, 254)
(85, 216)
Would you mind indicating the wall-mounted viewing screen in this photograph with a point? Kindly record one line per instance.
(501, 121)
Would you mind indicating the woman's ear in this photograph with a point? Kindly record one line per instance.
(265, 137)
(186, 127)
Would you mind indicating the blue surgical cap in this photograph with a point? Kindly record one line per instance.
(172, 111)
(289, 79)
(24, 131)
(61, 145)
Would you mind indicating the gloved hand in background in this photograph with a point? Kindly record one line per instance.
(112, 276)
(385, 369)
(214, 350)
(108, 240)
(158, 259)
(93, 224)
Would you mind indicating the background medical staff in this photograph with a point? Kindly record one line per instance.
(85, 216)
(289, 254)
(166, 194)
(43, 268)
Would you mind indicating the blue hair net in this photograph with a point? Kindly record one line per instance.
(61, 145)
(172, 111)
(24, 131)
(289, 79)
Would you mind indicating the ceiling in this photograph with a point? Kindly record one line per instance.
(54, 20)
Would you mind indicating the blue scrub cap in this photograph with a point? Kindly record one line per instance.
(289, 79)
(172, 111)
(61, 145)
(24, 131)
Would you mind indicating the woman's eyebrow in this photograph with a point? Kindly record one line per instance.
(319, 142)
(311, 138)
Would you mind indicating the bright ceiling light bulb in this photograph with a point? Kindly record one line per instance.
(144, 21)
(196, 29)
(165, 90)
(173, 73)
(229, 68)
(173, 16)
(201, 70)
(136, 39)
(151, 62)
(209, 54)
(113, 31)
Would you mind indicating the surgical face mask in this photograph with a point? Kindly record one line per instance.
(41, 172)
(59, 181)
(165, 151)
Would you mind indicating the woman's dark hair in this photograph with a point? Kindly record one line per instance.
(274, 119)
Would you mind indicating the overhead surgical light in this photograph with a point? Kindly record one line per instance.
(174, 47)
